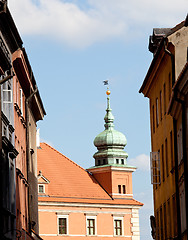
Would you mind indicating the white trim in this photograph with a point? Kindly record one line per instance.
(75, 235)
(64, 212)
(67, 224)
(121, 194)
(112, 168)
(45, 179)
(122, 225)
(95, 224)
(93, 205)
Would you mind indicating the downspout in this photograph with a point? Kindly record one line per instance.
(28, 150)
(175, 146)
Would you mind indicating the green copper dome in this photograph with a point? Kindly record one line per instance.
(110, 143)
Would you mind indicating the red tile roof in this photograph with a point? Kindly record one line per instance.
(69, 182)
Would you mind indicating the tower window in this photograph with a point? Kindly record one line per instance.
(117, 161)
(119, 189)
(104, 161)
(122, 161)
(124, 189)
(98, 162)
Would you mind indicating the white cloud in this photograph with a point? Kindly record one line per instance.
(76, 26)
(142, 162)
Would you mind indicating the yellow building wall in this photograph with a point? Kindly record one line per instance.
(162, 139)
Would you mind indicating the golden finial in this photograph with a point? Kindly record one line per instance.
(108, 92)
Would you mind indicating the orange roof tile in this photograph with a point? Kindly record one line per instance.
(69, 182)
(91, 201)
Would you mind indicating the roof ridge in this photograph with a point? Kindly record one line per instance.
(63, 156)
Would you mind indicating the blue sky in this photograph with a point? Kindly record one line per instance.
(73, 46)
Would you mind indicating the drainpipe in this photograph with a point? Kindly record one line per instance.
(28, 151)
(175, 146)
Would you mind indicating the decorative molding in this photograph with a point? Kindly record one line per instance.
(82, 211)
(93, 205)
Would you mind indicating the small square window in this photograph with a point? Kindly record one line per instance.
(41, 188)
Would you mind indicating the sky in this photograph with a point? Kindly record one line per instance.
(73, 46)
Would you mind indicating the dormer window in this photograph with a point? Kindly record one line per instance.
(41, 188)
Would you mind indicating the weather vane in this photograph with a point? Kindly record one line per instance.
(107, 84)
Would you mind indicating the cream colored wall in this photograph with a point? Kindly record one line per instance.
(180, 41)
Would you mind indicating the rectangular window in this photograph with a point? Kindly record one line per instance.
(153, 118)
(124, 189)
(169, 219)
(180, 145)
(41, 188)
(119, 189)
(166, 156)
(21, 101)
(161, 105)
(90, 226)
(122, 161)
(165, 222)
(161, 223)
(174, 215)
(162, 162)
(118, 227)
(157, 225)
(62, 225)
(157, 112)
(169, 85)
(171, 150)
(117, 161)
(164, 96)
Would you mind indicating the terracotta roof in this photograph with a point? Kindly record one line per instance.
(67, 179)
(69, 182)
(91, 201)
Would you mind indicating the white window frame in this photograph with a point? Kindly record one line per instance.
(43, 188)
(21, 101)
(7, 92)
(95, 224)
(67, 224)
(122, 225)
